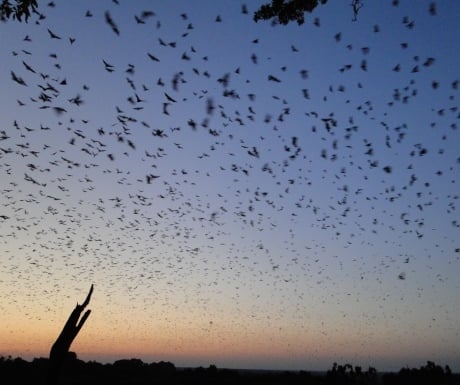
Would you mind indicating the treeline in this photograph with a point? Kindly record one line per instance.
(17, 371)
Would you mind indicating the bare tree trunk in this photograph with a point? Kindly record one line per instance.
(61, 346)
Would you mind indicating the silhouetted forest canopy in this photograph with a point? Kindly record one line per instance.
(135, 371)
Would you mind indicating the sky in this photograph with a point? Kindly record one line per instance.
(243, 194)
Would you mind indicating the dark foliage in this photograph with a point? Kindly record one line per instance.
(16, 371)
(283, 12)
(19, 10)
(429, 374)
(347, 374)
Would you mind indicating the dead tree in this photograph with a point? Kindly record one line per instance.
(61, 346)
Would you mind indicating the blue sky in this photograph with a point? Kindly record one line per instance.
(302, 220)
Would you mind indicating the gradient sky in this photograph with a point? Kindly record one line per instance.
(300, 205)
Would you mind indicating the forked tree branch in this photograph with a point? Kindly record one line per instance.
(61, 346)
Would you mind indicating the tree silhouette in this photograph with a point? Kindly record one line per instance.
(283, 12)
(22, 8)
(60, 349)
